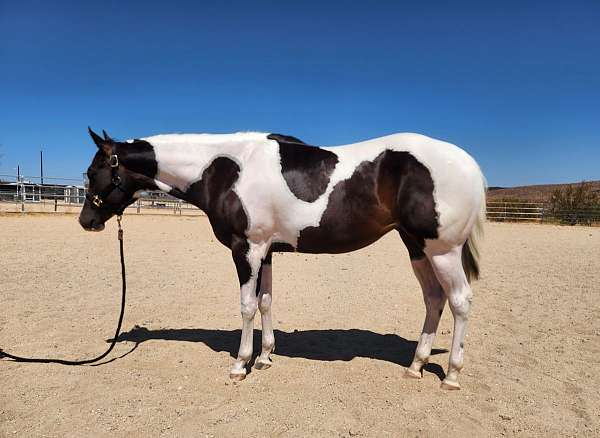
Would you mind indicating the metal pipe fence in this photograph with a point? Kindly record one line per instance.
(27, 197)
(516, 211)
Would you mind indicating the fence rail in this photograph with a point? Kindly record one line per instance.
(513, 211)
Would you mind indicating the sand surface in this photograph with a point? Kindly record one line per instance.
(346, 327)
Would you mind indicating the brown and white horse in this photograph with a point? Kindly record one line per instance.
(269, 192)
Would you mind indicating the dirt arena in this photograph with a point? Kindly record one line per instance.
(345, 325)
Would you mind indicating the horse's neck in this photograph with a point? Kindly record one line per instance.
(181, 159)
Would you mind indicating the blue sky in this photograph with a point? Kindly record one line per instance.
(515, 83)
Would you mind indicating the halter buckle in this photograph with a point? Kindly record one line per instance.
(96, 201)
(113, 161)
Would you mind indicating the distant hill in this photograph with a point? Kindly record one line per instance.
(539, 193)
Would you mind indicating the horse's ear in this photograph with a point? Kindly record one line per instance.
(107, 137)
(104, 144)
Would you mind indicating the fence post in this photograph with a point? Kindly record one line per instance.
(22, 198)
(542, 213)
(55, 204)
(138, 205)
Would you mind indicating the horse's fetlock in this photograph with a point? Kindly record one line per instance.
(455, 365)
(268, 343)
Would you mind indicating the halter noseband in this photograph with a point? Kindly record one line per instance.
(115, 183)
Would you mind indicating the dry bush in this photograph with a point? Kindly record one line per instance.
(575, 204)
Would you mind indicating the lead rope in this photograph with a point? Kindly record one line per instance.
(114, 341)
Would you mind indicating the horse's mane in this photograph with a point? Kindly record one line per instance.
(285, 138)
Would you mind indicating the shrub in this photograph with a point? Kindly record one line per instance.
(575, 204)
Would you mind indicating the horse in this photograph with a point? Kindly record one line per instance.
(265, 193)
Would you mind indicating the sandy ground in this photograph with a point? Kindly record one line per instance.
(346, 328)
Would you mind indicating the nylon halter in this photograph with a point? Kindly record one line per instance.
(115, 183)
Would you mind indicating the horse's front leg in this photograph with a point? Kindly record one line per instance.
(247, 257)
(265, 298)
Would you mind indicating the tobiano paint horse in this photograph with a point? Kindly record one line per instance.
(266, 193)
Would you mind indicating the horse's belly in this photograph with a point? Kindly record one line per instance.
(322, 243)
(344, 234)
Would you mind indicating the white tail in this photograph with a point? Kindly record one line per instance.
(470, 251)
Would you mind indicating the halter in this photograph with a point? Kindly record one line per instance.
(115, 183)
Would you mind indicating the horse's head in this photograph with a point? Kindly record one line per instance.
(112, 186)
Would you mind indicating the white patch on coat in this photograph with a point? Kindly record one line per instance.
(182, 158)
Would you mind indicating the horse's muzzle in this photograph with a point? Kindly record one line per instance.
(91, 226)
(96, 228)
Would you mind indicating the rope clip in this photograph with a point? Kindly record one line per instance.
(120, 232)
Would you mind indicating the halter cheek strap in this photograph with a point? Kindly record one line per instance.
(115, 183)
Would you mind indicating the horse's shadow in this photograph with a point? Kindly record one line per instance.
(325, 345)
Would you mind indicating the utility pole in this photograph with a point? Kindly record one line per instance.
(20, 189)
(41, 167)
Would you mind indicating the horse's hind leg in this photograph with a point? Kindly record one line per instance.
(265, 298)
(451, 275)
(434, 298)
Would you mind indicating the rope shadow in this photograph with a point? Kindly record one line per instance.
(323, 345)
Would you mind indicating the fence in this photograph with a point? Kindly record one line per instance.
(30, 197)
(516, 211)
(26, 196)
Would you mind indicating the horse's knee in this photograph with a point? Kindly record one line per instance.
(249, 307)
(264, 303)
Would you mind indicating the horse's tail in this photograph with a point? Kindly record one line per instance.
(470, 250)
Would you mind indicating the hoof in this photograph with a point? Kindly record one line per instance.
(450, 385)
(237, 377)
(262, 364)
(412, 374)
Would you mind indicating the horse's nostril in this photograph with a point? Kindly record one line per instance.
(90, 224)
